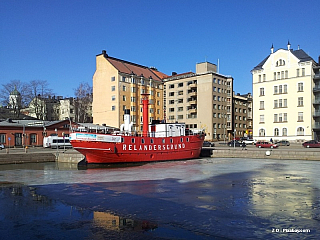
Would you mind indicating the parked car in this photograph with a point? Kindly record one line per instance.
(283, 143)
(264, 144)
(234, 143)
(311, 144)
(1, 146)
(249, 141)
(207, 144)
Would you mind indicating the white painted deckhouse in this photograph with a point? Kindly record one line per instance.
(286, 92)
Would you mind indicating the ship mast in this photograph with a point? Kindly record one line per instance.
(145, 103)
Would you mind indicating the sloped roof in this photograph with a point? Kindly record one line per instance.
(300, 54)
(133, 68)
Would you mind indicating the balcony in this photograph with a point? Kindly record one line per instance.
(193, 85)
(192, 102)
(316, 88)
(316, 113)
(192, 94)
(192, 110)
(316, 125)
(316, 101)
(316, 76)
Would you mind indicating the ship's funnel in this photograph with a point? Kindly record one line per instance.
(127, 126)
(145, 103)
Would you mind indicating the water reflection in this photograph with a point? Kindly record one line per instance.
(208, 199)
(28, 215)
(113, 222)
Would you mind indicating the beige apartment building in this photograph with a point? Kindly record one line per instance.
(118, 85)
(286, 100)
(202, 100)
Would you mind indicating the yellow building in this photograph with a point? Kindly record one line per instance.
(284, 93)
(118, 85)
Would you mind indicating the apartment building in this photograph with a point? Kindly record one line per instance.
(118, 85)
(286, 96)
(242, 111)
(203, 100)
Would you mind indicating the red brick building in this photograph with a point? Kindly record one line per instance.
(21, 133)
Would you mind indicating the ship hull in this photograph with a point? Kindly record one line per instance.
(133, 149)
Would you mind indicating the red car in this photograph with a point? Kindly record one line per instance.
(311, 144)
(263, 144)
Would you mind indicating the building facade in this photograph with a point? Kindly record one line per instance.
(118, 85)
(203, 100)
(286, 100)
(242, 111)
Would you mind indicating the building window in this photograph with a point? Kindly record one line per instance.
(280, 103)
(2, 138)
(300, 87)
(264, 77)
(275, 104)
(171, 86)
(113, 88)
(275, 90)
(280, 89)
(285, 117)
(171, 94)
(280, 117)
(261, 118)
(300, 131)
(261, 91)
(113, 97)
(262, 132)
(124, 98)
(33, 138)
(113, 108)
(113, 79)
(180, 84)
(285, 103)
(286, 74)
(300, 101)
(124, 88)
(300, 116)
(275, 117)
(285, 88)
(276, 132)
(298, 72)
(284, 131)
(259, 78)
(133, 99)
(274, 76)
(303, 72)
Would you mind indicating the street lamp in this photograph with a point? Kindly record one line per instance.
(56, 130)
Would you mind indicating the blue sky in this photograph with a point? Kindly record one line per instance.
(57, 40)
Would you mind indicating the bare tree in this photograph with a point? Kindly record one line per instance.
(83, 102)
(7, 88)
(37, 94)
(12, 102)
(33, 91)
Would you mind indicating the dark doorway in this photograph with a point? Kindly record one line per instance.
(18, 139)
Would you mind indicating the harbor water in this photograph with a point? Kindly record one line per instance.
(208, 198)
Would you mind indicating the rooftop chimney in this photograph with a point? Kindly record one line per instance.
(104, 52)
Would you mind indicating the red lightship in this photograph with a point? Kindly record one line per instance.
(158, 142)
